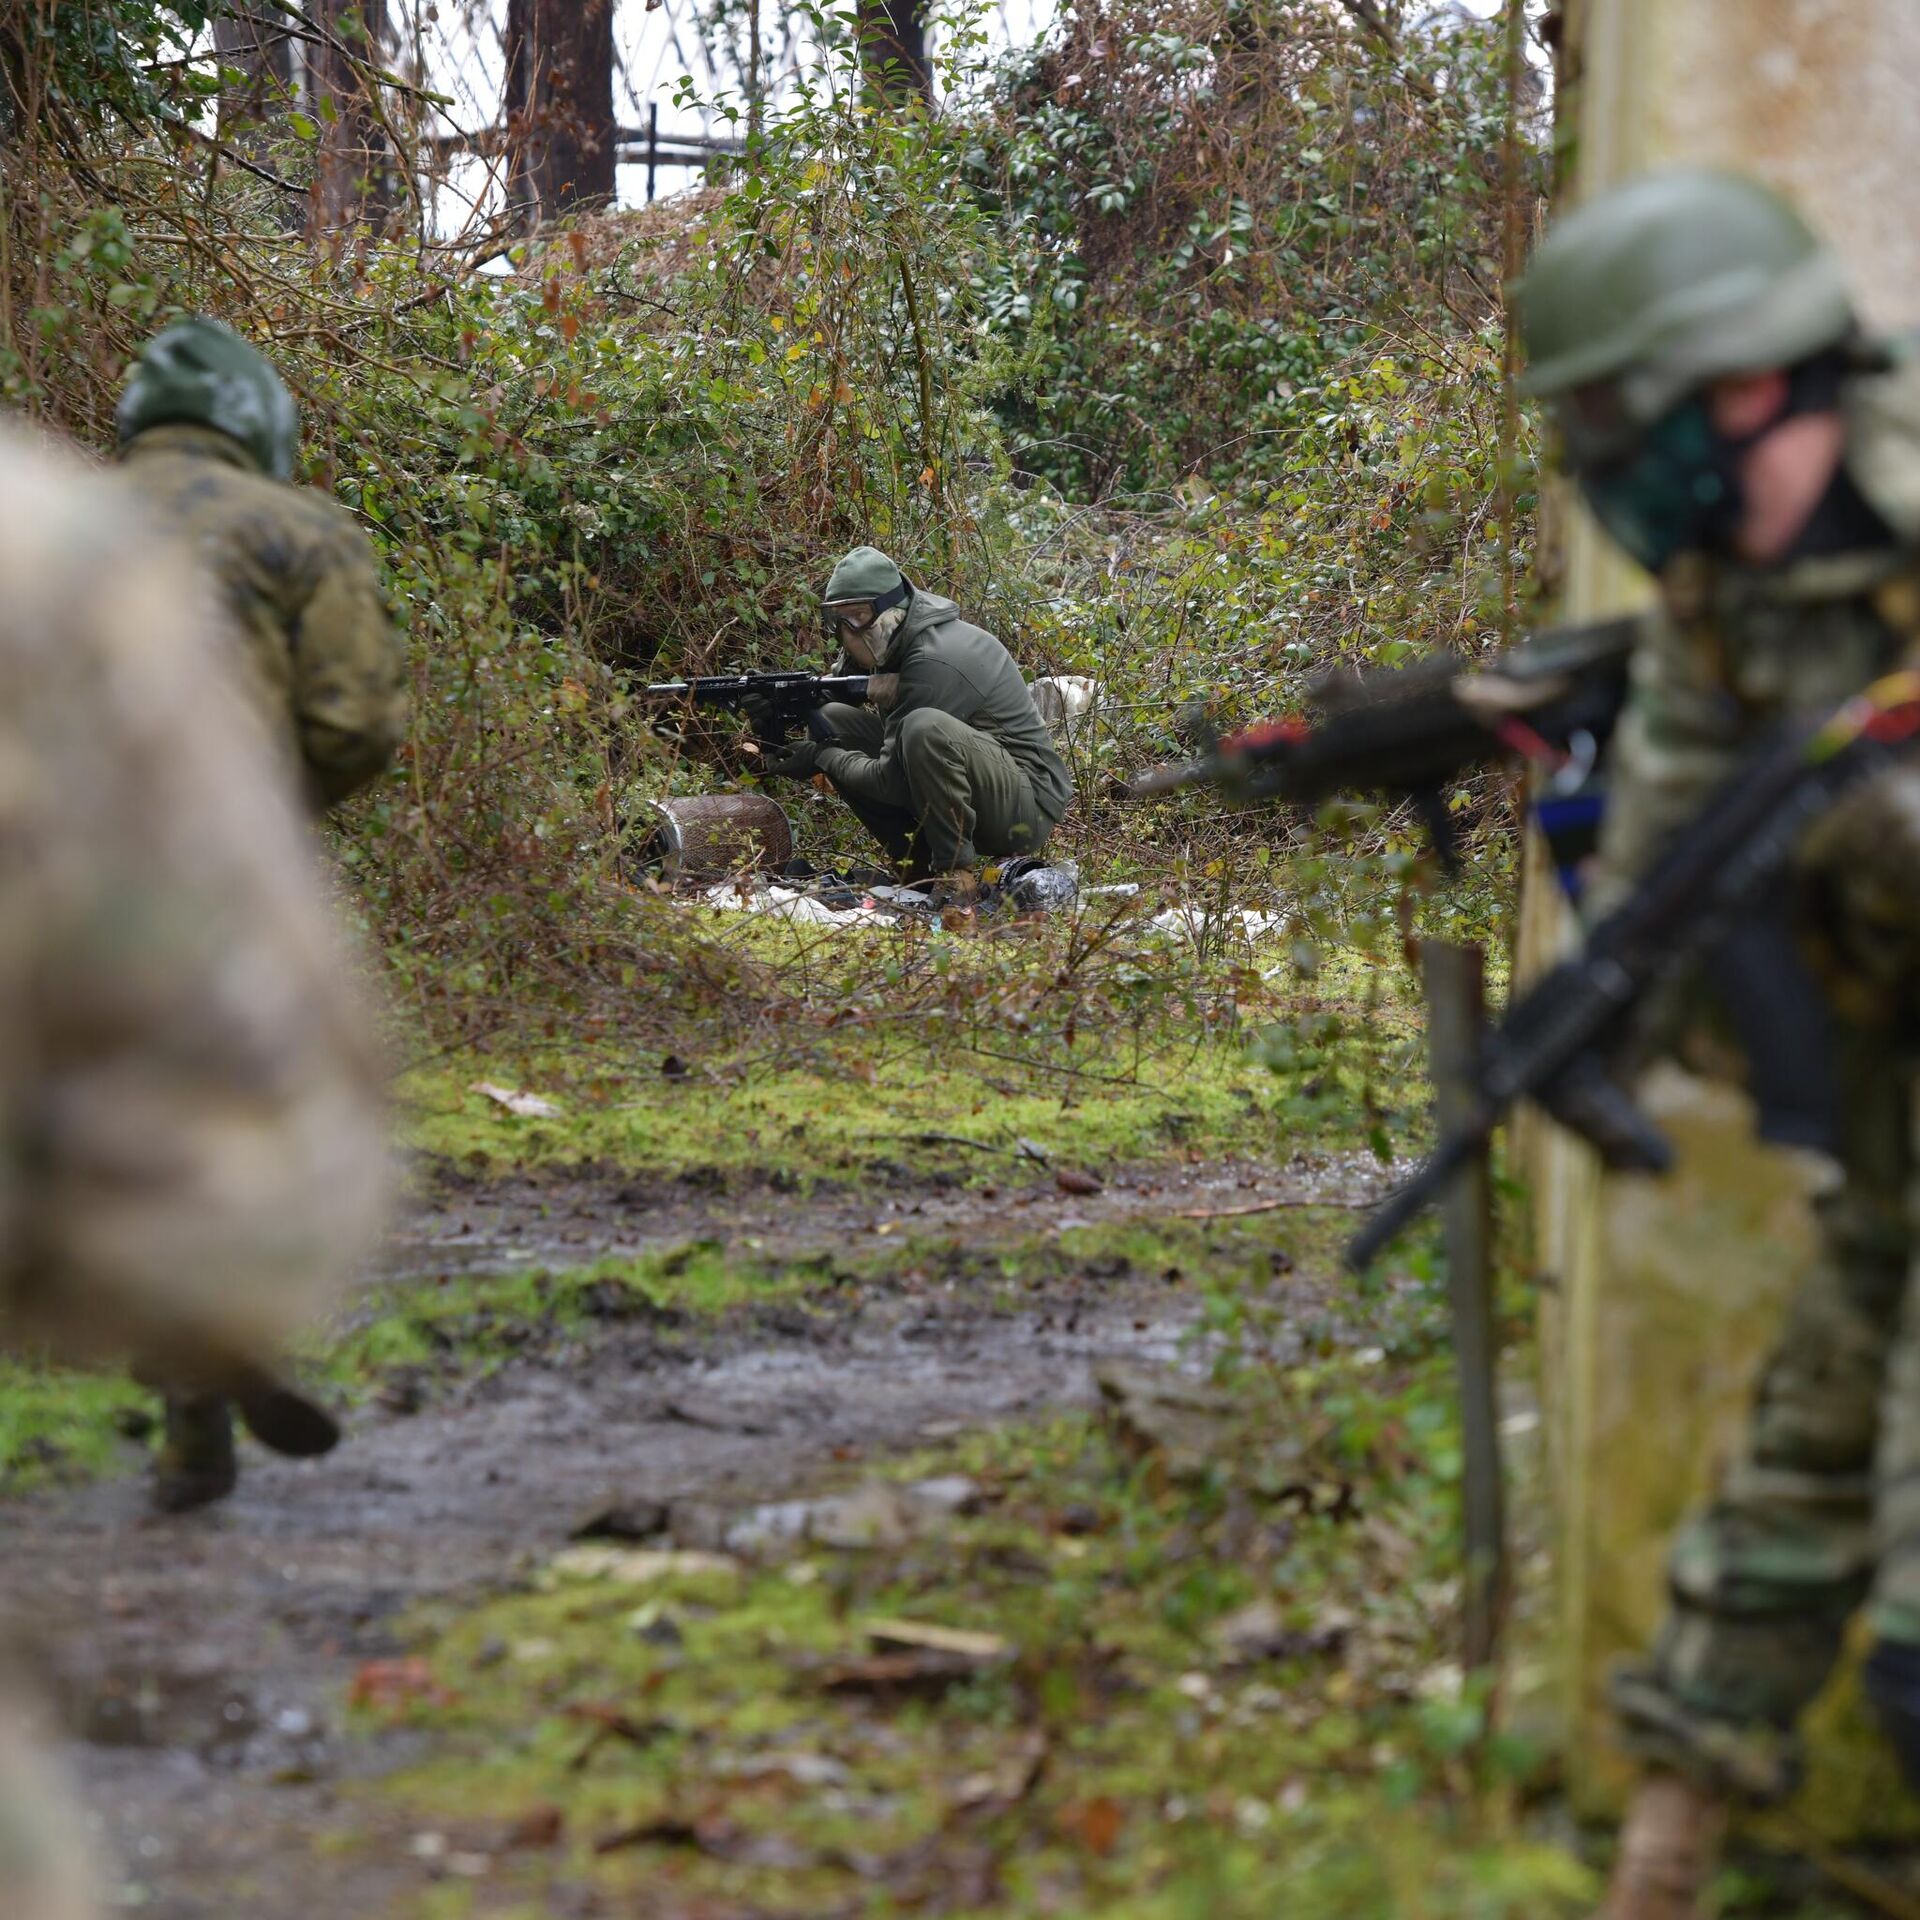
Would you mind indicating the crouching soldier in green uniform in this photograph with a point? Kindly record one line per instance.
(1731, 428)
(208, 433)
(951, 761)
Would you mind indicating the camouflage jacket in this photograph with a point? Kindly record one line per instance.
(1732, 650)
(191, 1148)
(299, 582)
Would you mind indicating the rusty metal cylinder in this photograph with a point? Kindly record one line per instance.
(707, 836)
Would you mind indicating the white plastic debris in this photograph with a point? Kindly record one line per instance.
(1063, 700)
(528, 1106)
(1200, 923)
(802, 908)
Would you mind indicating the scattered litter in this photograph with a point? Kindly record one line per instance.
(1063, 701)
(917, 1636)
(639, 1567)
(804, 910)
(527, 1106)
(1199, 924)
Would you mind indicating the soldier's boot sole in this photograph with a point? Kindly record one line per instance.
(1669, 1847)
(278, 1417)
(196, 1464)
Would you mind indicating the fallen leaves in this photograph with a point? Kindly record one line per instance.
(396, 1687)
(1093, 1824)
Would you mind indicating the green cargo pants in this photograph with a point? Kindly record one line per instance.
(957, 793)
(1821, 1512)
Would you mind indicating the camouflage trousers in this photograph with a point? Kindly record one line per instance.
(961, 795)
(1820, 1514)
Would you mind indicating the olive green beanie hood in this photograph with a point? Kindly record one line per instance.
(200, 373)
(865, 574)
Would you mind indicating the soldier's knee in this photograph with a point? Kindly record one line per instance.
(841, 718)
(930, 738)
(1892, 1683)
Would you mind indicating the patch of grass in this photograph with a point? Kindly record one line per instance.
(684, 1738)
(56, 1424)
(1334, 1070)
(426, 1334)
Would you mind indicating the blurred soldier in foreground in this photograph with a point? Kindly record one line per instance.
(951, 761)
(1732, 430)
(193, 1141)
(208, 433)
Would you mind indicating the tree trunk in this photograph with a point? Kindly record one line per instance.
(560, 126)
(254, 44)
(352, 166)
(893, 50)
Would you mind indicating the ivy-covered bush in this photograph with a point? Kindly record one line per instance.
(1170, 352)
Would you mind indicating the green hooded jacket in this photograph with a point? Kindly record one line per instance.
(298, 579)
(945, 663)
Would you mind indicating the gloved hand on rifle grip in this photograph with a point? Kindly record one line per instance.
(762, 714)
(800, 761)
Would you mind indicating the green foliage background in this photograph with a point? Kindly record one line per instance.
(1170, 350)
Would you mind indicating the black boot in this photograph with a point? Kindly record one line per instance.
(195, 1465)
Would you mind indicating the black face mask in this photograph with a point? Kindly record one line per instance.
(1677, 491)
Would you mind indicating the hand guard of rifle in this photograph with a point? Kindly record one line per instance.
(1411, 732)
(774, 703)
(1560, 1041)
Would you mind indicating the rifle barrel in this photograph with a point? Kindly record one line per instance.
(1407, 1202)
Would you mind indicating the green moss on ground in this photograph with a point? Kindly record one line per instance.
(1336, 1065)
(715, 1738)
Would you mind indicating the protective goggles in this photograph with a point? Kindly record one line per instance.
(856, 616)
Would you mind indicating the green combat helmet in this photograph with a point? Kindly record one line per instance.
(200, 373)
(1641, 298)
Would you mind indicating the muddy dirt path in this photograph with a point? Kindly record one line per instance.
(201, 1663)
